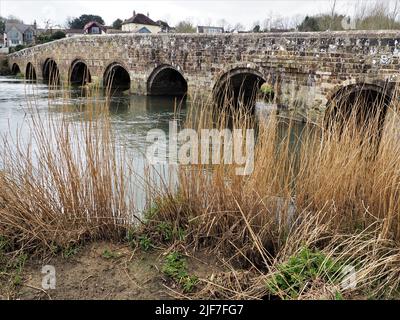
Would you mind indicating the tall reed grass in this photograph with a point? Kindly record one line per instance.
(67, 182)
(334, 190)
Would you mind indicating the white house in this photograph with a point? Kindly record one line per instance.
(140, 23)
(209, 29)
(18, 34)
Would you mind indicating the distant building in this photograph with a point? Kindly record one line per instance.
(110, 30)
(93, 27)
(209, 29)
(281, 30)
(165, 26)
(73, 32)
(140, 23)
(18, 34)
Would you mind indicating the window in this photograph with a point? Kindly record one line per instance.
(28, 36)
(95, 30)
(14, 35)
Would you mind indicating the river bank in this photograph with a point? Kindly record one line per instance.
(102, 270)
(316, 217)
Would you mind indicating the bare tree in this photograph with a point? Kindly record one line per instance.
(238, 27)
(185, 27)
(224, 24)
(394, 13)
(333, 9)
(12, 18)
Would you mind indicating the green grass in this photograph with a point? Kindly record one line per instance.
(267, 91)
(70, 251)
(150, 212)
(301, 269)
(107, 254)
(168, 232)
(145, 243)
(11, 265)
(175, 267)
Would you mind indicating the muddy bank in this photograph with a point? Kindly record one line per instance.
(101, 271)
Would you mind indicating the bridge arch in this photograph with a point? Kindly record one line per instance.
(116, 77)
(51, 73)
(30, 72)
(362, 102)
(79, 73)
(238, 87)
(15, 69)
(165, 80)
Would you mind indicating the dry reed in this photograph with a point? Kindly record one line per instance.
(335, 190)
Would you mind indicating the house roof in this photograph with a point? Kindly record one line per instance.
(163, 24)
(21, 27)
(93, 24)
(140, 19)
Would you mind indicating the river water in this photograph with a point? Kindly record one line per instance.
(131, 117)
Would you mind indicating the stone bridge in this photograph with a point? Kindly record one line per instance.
(306, 70)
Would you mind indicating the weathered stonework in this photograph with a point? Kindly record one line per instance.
(307, 69)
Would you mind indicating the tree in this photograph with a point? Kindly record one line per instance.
(79, 23)
(309, 24)
(224, 24)
(332, 14)
(2, 25)
(185, 27)
(117, 24)
(257, 28)
(12, 18)
(49, 36)
(329, 22)
(58, 35)
(238, 27)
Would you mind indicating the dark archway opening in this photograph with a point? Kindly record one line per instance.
(167, 81)
(238, 88)
(79, 74)
(360, 108)
(30, 72)
(15, 69)
(116, 78)
(362, 104)
(51, 74)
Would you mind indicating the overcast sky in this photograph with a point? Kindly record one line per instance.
(199, 12)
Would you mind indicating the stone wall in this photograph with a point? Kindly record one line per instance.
(306, 69)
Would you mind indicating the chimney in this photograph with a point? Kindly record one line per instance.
(134, 13)
(34, 25)
(147, 14)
